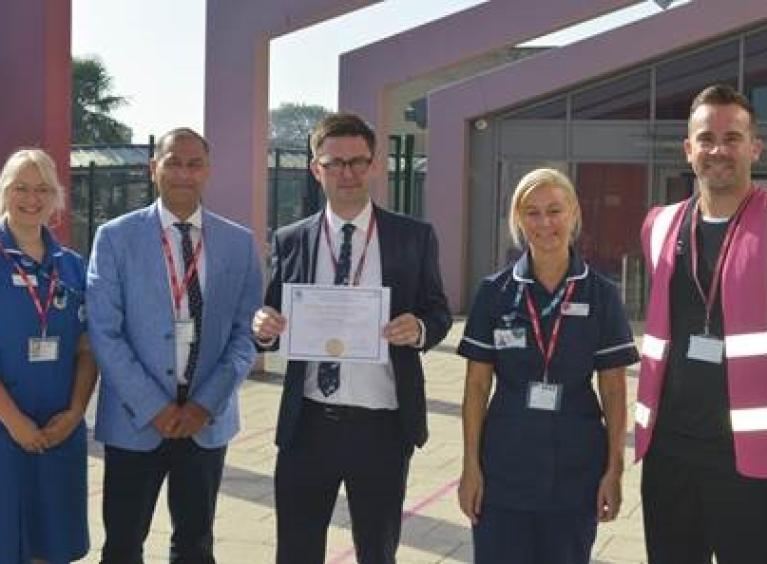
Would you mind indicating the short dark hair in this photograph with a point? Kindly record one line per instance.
(724, 95)
(161, 147)
(342, 125)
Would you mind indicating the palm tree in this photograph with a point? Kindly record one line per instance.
(92, 104)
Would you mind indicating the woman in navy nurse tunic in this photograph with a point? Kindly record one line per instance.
(47, 373)
(543, 461)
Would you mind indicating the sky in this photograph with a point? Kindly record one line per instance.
(155, 51)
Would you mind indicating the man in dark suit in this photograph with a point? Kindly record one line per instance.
(343, 422)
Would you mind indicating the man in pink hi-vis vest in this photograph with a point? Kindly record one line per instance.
(701, 416)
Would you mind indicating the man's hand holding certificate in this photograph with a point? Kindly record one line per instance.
(335, 323)
(404, 330)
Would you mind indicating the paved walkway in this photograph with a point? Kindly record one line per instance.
(434, 530)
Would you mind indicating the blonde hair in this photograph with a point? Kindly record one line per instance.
(45, 166)
(535, 179)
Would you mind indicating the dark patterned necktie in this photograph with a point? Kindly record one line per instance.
(194, 297)
(329, 373)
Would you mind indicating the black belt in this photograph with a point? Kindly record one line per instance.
(335, 412)
(182, 392)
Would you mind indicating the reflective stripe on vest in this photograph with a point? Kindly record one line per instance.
(642, 414)
(753, 419)
(745, 344)
(660, 228)
(653, 347)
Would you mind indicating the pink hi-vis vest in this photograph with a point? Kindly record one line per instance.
(744, 316)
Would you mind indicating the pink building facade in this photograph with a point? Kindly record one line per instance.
(610, 110)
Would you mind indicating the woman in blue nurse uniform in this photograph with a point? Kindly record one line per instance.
(47, 373)
(543, 462)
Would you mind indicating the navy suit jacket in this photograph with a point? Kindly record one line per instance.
(410, 267)
(131, 325)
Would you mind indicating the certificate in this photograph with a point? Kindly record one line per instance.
(335, 323)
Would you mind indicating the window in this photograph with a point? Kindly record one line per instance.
(755, 72)
(548, 109)
(679, 80)
(627, 97)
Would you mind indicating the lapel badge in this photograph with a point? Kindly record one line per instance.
(60, 300)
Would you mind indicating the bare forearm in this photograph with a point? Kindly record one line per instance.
(612, 391)
(85, 377)
(476, 393)
(23, 430)
(9, 411)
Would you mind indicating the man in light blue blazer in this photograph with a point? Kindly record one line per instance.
(171, 292)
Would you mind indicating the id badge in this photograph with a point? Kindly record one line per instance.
(43, 349)
(185, 332)
(575, 309)
(544, 396)
(510, 338)
(706, 349)
(18, 280)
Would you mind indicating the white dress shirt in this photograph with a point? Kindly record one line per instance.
(364, 385)
(173, 235)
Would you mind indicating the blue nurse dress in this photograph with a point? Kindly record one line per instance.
(534, 461)
(43, 504)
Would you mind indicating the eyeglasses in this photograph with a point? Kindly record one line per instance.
(358, 165)
(43, 191)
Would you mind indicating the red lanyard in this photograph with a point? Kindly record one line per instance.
(42, 311)
(361, 263)
(177, 289)
(547, 352)
(723, 250)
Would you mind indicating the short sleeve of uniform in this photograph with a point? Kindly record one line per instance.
(478, 342)
(616, 342)
(75, 284)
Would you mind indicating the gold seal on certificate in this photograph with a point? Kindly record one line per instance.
(334, 347)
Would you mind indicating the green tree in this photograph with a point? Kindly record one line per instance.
(290, 124)
(93, 103)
